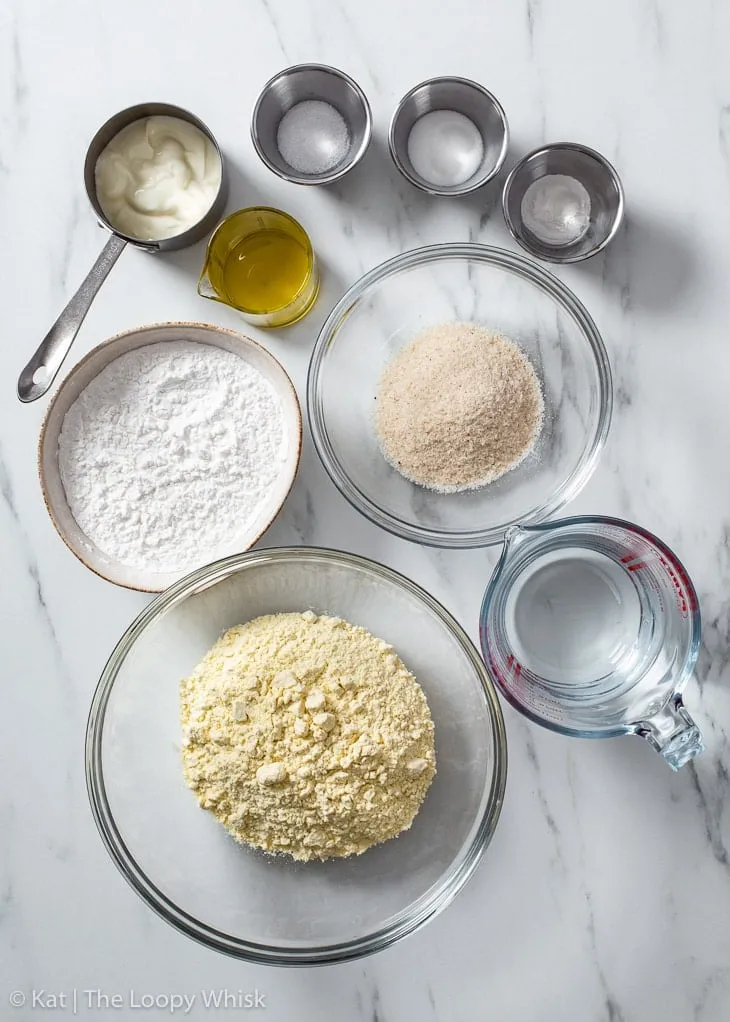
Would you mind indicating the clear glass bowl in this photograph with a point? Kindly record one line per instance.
(182, 861)
(501, 291)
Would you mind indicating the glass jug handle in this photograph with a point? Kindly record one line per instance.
(673, 733)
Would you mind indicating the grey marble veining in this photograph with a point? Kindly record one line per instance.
(605, 894)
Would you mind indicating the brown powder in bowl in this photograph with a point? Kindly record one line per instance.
(458, 407)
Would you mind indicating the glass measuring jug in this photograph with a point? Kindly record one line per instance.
(260, 261)
(590, 626)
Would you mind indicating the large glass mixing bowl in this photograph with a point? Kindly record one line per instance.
(240, 901)
(503, 292)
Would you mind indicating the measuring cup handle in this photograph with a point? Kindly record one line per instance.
(43, 367)
(673, 733)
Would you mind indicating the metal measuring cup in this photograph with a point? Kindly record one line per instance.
(40, 372)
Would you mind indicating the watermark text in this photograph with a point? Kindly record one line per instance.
(93, 1000)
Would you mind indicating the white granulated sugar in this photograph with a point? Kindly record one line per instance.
(445, 148)
(168, 453)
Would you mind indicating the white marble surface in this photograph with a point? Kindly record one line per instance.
(606, 892)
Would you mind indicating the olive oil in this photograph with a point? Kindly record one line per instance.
(260, 261)
(264, 271)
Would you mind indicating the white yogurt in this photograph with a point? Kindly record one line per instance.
(157, 177)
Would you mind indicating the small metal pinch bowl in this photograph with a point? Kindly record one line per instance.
(299, 84)
(581, 199)
(40, 372)
(462, 96)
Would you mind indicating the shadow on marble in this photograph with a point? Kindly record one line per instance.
(315, 514)
(377, 189)
(714, 656)
(187, 261)
(650, 264)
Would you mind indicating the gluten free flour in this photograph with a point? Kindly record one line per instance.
(167, 455)
(306, 735)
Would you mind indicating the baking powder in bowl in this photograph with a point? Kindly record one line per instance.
(168, 454)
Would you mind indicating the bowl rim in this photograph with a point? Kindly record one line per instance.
(528, 270)
(212, 329)
(342, 168)
(435, 900)
(419, 182)
(556, 257)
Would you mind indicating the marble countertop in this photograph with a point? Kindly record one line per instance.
(605, 894)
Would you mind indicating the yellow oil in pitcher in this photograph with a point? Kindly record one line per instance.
(260, 261)
(263, 271)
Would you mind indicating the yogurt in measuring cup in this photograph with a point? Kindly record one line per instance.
(157, 177)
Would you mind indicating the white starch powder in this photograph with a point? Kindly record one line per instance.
(168, 453)
(556, 209)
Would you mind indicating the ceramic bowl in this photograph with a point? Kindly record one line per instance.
(86, 370)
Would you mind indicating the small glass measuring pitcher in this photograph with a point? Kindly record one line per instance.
(260, 261)
(590, 626)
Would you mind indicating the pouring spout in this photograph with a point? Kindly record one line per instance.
(205, 287)
(514, 536)
(673, 733)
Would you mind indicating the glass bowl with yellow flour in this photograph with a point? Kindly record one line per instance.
(310, 697)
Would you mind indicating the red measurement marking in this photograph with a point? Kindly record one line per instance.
(515, 668)
(690, 592)
(681, 582)
(681, 591)
(510, 678)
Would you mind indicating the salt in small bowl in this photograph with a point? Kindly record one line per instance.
(299, 84)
